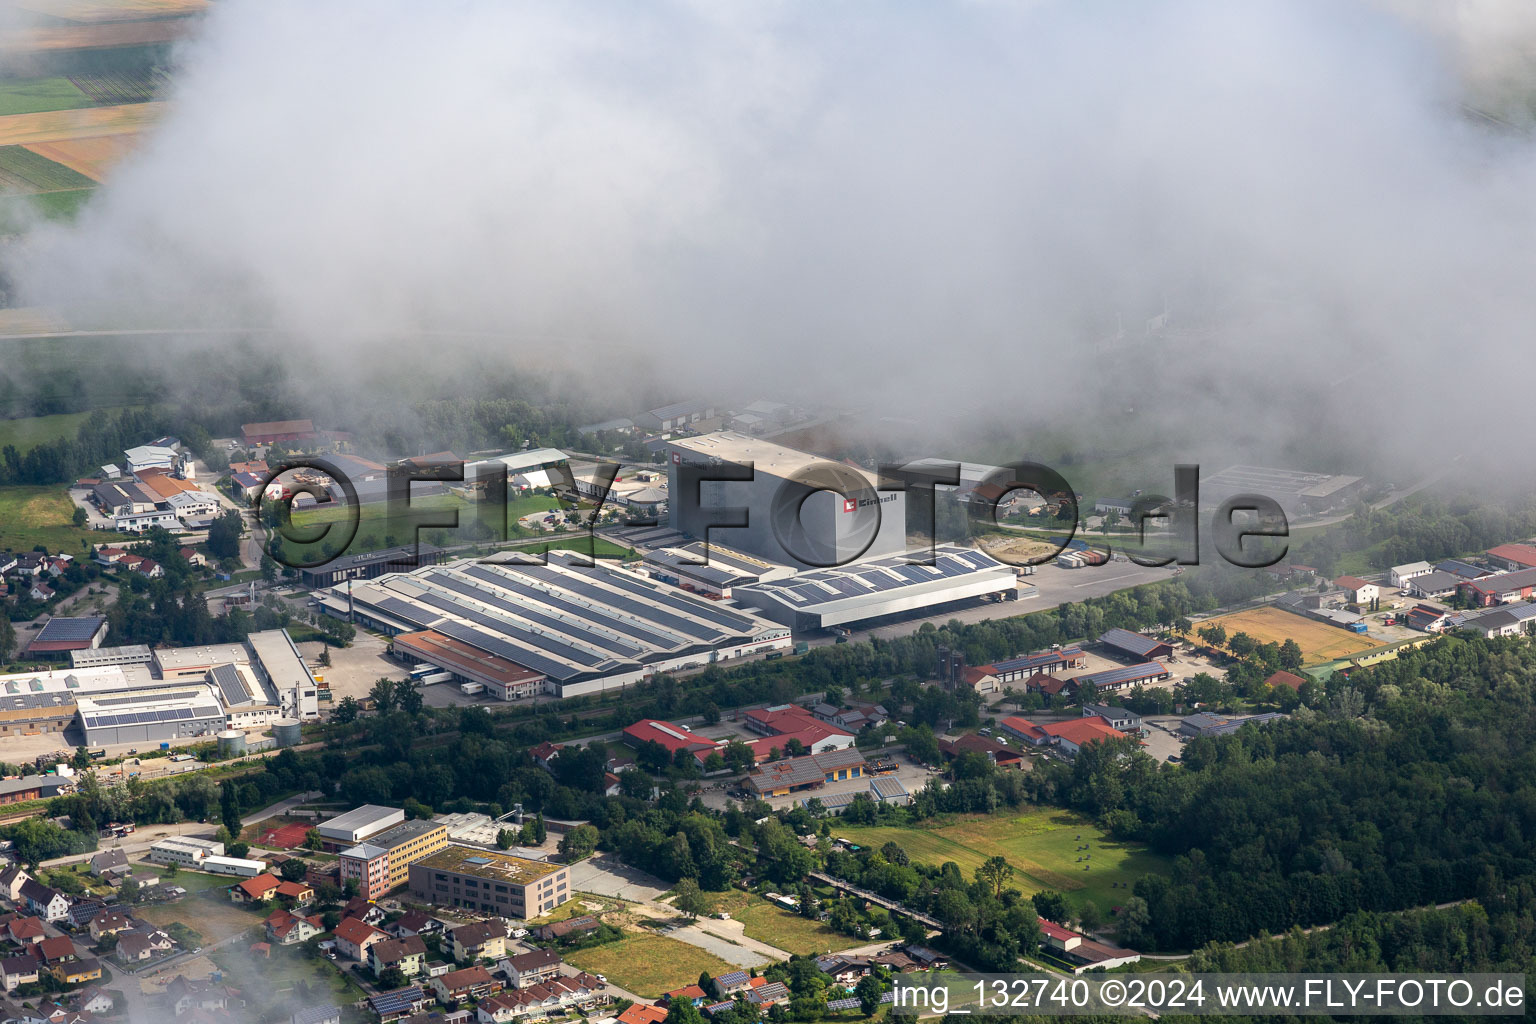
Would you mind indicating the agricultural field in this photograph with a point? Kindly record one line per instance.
(22, 170)
(30, 516)
(84, 123)
(110, 10)
(648, 964)
(1318, 641)
(33, 95)
(17, 210)
(778, 927)
(111, 87)
(91, 158)
(1042, 845)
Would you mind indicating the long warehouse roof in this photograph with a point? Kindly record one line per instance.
(881, 577)
(566, 619)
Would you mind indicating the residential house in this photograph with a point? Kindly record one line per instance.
(414, 922)
(364, 910)
(92, 999)
(24, 930)
(49, 904)
(109, 922)
(526, 969)
(1048, 685)
(470, 983)
(11, 880)
(301, 894)
(286, 928)
(408, 954)
(483, 940)
(256, 889)
(18, 970)
(184, 995)
(398, 1003)
(845, 969)
(354, 937)
(643, 1013)
(326, 1013)
(139, 945)
(110, 864)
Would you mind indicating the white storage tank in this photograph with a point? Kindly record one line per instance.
(285, 732)
(231, 743)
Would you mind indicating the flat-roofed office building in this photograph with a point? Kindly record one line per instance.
(490, 882)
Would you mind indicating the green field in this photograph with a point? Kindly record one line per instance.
(376, 529)
(1041, 845)
(35, 430)
(17, 210)
(648, 965)
(778, 927)
(33, 95)
(30, 516)
(22, 170)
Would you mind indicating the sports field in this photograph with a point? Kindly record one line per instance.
(1318, 640)
(1047, 848)
(648, 965)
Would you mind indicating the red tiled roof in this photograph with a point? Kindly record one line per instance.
(1524, 554)
(1025, 727)
(1083, 730)
(1284, 678)
(258, 887)
(1351, 582)
(1052, 930)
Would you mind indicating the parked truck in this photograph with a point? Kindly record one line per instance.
(435, 677)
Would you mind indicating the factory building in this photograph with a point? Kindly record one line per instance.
(584, 628)
(710, 569)
(502, 679)
(881, 588)
(370, 566)
(155, 714)
(62, 635)
(1298, 493)
(796, 512)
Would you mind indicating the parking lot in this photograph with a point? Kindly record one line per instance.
(1161, 738)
